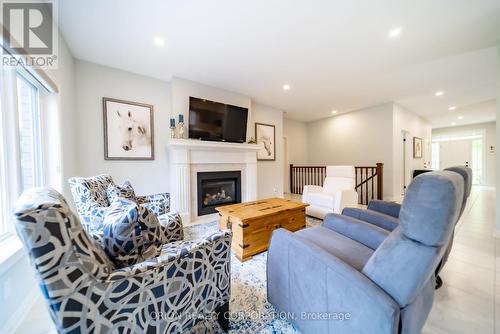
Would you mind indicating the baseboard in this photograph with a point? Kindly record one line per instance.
(18, 316)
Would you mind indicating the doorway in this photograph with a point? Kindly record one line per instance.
(462, 151)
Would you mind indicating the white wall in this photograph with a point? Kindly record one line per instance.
(295, 133)
(269, 173)
(93, 82)
(182, 89)
(360, 138)
(414, 126)
(296, 147)
(64, 77)
(489, 130)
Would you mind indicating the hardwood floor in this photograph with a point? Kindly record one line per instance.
(468, 302)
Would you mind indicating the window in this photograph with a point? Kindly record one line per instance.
(29, 133)
(3, 188)
(20, 141)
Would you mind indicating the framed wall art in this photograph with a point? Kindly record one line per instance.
(265, 134)
(128, 130)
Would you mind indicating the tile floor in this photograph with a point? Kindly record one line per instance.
(468, 302)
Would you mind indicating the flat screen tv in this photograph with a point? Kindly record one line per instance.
(216, 121)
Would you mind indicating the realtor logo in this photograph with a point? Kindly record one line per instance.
(30, 34)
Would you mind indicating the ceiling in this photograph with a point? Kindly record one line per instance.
(334, 54)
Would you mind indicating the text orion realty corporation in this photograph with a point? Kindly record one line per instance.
(29, 34)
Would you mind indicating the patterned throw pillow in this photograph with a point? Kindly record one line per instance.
(131, 233)
(124, 191)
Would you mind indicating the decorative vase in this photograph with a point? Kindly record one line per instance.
(181, 130)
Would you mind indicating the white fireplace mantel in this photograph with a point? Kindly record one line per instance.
(187, 157)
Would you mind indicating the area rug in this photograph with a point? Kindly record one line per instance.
(249, 309)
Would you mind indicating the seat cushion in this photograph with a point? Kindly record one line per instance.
(348, 250)
(326, 200)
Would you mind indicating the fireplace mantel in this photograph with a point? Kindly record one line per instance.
(193, 144)
(187, 157)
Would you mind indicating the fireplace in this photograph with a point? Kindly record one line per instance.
(217, 189)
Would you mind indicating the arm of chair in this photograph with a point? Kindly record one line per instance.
(299, 270)
(216, 246)
(172, 225)
(368, 234)
(388, 208)
(158, 203)
(343, 198)
(309, 189)
(381, 220)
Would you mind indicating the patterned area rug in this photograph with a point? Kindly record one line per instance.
(250, 311)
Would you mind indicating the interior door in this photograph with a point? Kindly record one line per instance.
(455, 153)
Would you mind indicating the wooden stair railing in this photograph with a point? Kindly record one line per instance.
(369, 180)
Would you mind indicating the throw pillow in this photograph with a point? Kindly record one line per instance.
(124, 191)
(131, 233)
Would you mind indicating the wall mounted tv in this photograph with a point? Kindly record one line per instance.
(216, 121)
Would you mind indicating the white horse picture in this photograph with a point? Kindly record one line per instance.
(265, 135)
(128, 130)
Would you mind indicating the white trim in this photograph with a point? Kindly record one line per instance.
(18, 316)
(11, 252)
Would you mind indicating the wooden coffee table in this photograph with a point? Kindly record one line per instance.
(253, 222)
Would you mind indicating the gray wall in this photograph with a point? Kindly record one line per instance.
(360, 138)
(93, 82)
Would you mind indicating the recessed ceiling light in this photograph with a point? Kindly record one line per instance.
(286, 87)
(158, 41)
(334, 112)
(452, 108)
(453, 123)
(395, 32)
(460, 117)
(439, 93)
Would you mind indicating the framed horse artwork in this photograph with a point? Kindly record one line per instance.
(265, 134)
(128, 130)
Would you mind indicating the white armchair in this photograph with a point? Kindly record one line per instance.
(338, 192)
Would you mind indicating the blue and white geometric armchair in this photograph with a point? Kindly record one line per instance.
(91, 199)
(86, 293)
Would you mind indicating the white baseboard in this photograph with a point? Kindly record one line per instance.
(19, 315)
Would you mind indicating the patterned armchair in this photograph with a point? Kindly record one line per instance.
(86, 293)
(90, 196)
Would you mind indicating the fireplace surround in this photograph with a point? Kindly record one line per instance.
(217, 189)
(188, 157)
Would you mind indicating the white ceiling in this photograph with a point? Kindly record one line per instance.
(335, 54)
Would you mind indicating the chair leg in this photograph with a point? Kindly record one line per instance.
(223, 316)
(439, 282)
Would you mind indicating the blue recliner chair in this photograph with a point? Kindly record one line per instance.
(327, 282)
(385, 215)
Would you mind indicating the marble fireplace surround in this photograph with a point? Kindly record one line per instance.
(187, 157)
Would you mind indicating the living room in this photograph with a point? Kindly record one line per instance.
(262, 142)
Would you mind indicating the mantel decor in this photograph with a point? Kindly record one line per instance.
(128, 130)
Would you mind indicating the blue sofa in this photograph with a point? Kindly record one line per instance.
(366, 280)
